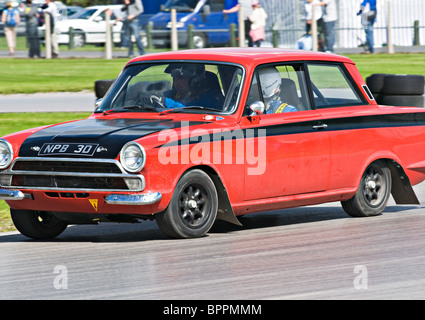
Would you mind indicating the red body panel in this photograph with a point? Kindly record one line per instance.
(279, 170)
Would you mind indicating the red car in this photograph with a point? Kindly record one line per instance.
(189, 137)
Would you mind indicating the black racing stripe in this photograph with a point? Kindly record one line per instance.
(349, 123)
(111, 134)
(333, 124)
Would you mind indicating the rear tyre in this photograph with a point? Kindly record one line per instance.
(373, 193)
(37, 224)
(192, 209)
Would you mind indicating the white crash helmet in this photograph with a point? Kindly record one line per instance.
(270, 82)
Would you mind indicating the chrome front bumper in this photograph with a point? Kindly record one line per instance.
(11, 195)
(123, 199)
(134, 199)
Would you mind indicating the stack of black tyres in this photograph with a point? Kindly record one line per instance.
(101, 87)
(397, 89)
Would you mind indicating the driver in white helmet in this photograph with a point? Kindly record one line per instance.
(270, 81)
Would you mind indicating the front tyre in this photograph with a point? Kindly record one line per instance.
(37, 224)
(373, 193)
(192, 209)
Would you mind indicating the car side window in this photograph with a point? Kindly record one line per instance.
(331, 87)
(281, 88)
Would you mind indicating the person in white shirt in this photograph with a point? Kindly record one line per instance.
(329, 17)
(258, 19)
(52, 9)
(309, 5)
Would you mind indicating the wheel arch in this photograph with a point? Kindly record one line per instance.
(401, 188)
(225, 211)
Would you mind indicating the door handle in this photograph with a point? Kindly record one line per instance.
(320, 126)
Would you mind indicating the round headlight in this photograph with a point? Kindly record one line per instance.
(133, 157)
(6, 154)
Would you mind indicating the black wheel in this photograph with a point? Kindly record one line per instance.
(37, 224)
(192, 209)
(373, 193)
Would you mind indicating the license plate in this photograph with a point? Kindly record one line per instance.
(84, 149)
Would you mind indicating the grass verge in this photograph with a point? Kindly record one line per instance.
(61, 75)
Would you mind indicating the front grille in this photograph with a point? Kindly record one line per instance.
(65, 174)
(66, 166)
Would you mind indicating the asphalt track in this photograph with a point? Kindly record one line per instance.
(315, 252)
(48, 102)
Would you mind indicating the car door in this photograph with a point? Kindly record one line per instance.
(344, 112)
(292, 149)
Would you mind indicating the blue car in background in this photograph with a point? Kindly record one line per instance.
(211, 25)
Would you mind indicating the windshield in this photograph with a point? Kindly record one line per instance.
(181, 5)
(85, 14)
(175, 87)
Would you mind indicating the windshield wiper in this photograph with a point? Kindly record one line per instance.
(130, 108)
(177, 110)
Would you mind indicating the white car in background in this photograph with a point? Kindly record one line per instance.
(90, 26)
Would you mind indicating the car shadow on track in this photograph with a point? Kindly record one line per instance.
(292, 216)
(149, 231)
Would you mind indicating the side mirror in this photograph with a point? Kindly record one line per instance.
(97, 103)
(257, 108)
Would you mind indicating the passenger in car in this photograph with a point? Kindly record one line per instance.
(270, 82)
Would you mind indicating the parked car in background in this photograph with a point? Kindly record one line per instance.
(188, 137)
(211, 25)
(71, 10)
(89, 26)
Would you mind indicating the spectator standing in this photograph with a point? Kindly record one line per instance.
(50, 8)
(246, 7)
(258, 19)
(368, 13)
(132, 9)
(329, 18)
(10, 17)
(309, 6)
(31, 18)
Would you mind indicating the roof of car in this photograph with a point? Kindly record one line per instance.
(244, 55)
